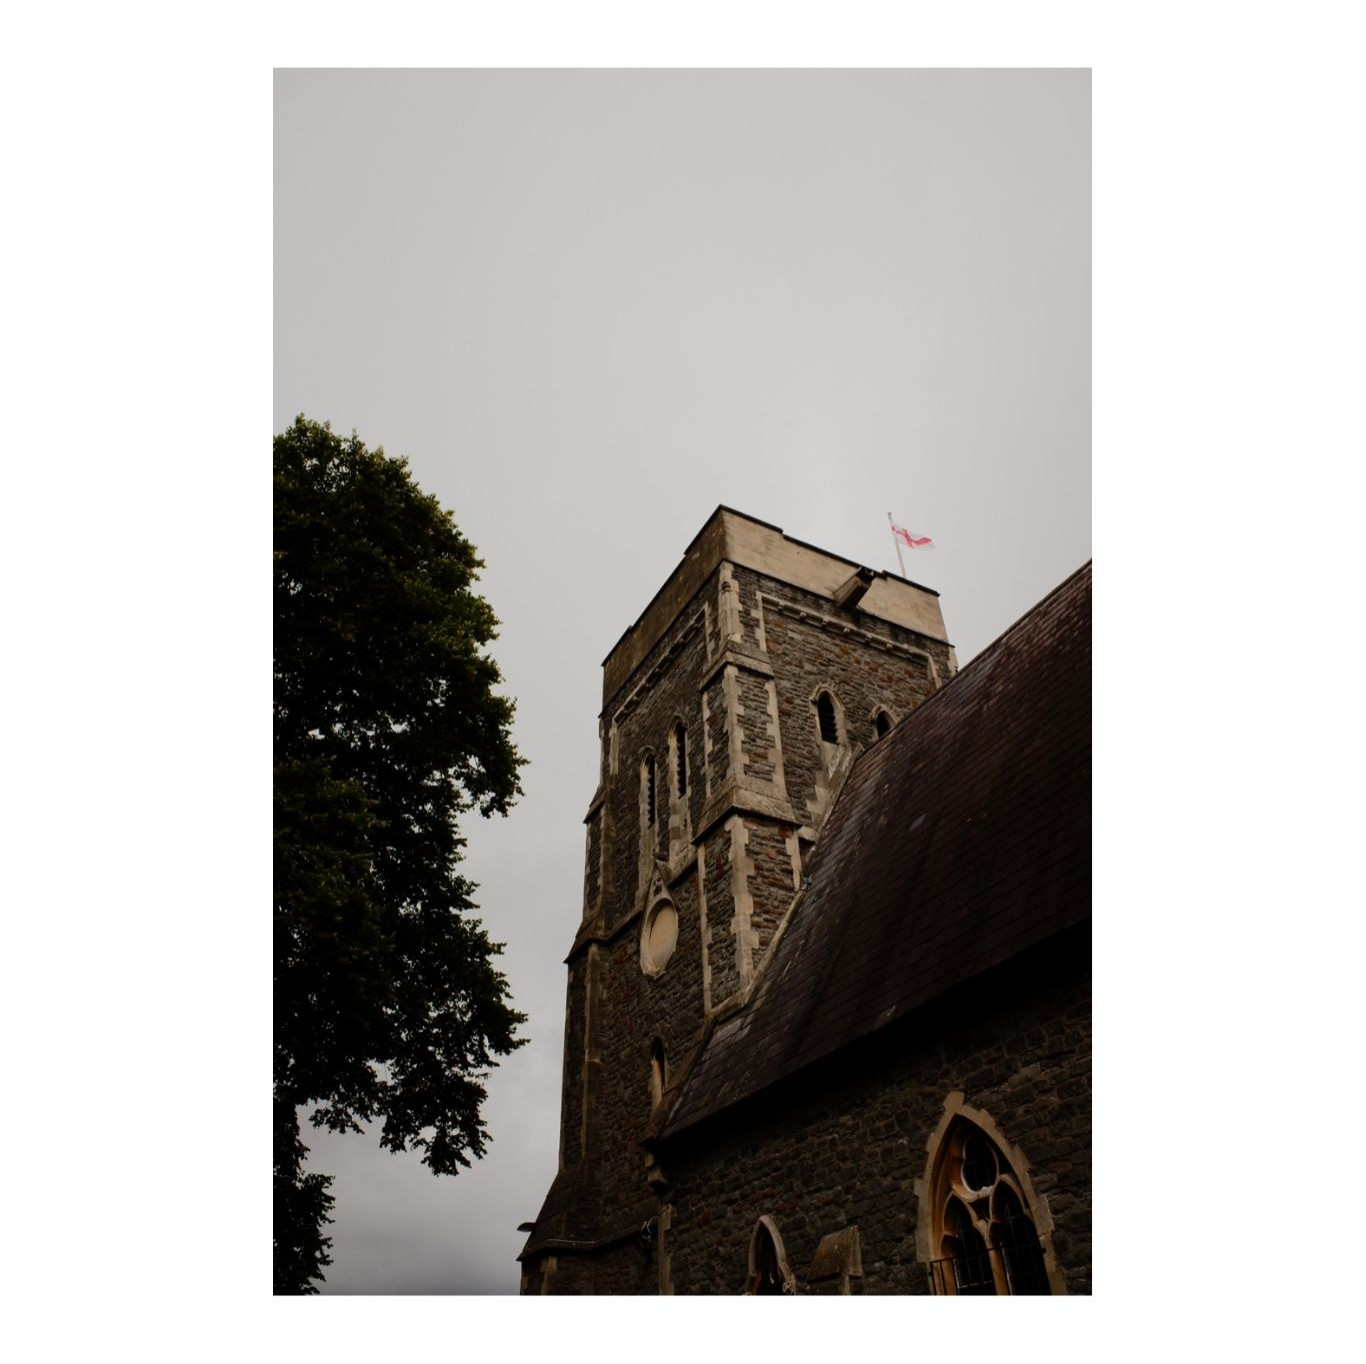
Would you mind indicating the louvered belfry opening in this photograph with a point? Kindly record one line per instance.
(650, 791)
(825, 711)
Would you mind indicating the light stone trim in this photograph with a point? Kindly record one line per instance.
(750, 663)
(767, 550)
(731, 537)
(766, 1223)
(775, 750)
(664, 662)
(588, 859)
(794, 855)
(923, 1188)
(729, 605)
(829, 783)
(706, 742)
(845, 629)
(704, 929)
(655, 956)
(882, 708)
(591, 1058)
(830, 752)
(730, 689)
(741, 926)
(747, 797)
(838, 1258)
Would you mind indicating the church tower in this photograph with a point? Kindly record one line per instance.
(732, 710)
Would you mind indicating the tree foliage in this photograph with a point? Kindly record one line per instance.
(387, 728)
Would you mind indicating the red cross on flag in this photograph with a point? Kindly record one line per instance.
(909, 538)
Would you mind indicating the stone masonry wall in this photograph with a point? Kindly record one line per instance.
(635, 1008)
(723, 978)
(592, 869)
(642, 720)
(772, 851)
(758, 729)
(866, 663)
(715, 736)
(571, 1097)
(843, 1144)
(729, 884)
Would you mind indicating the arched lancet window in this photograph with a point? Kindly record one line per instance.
(659, 1073)
(882, 723)
(825, 714)
(769, 1271)
(984, 1240)
(647, 777)
(680, 759)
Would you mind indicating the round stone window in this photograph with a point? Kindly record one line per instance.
(658, 937)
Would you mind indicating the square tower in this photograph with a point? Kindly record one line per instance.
(732, 709)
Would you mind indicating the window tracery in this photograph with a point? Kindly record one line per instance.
(984, 1237)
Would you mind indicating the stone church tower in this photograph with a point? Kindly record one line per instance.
(732, 710)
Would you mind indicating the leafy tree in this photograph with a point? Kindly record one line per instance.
(387, 727)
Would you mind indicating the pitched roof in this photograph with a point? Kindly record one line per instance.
(958, 840)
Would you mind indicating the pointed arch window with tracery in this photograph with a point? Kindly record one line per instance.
(985, 1239)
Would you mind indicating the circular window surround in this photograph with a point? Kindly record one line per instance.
(977, 1154)
(658, 936)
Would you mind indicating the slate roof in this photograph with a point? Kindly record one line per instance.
(959, 839)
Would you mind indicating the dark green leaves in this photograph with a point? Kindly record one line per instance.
(387, 727)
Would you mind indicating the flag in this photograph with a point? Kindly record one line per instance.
(910, 540)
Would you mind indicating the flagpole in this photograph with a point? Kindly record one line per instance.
(897, 543)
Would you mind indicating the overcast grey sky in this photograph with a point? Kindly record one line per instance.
(849, 309)
(589, 307)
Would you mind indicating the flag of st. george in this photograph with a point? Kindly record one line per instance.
(909, 538)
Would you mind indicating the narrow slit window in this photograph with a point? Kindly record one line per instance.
(681, 758)
(883, 723)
